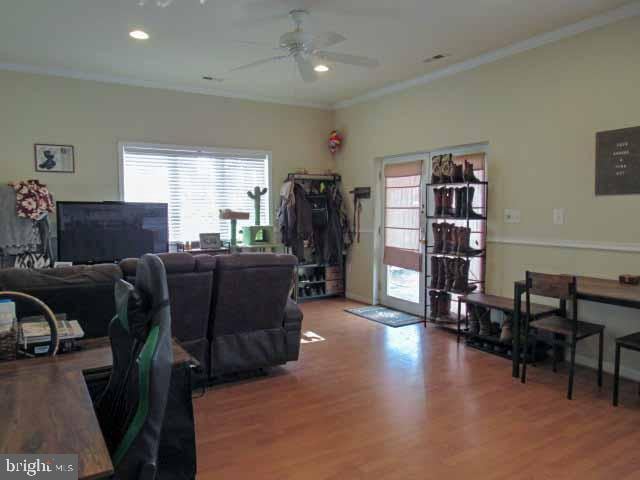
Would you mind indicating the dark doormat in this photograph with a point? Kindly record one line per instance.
(386, 316)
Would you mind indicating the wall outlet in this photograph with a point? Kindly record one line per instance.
(558, 216)
(511, 216)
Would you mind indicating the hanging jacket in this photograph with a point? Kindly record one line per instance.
(295, 219)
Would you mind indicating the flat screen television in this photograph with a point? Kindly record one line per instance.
(97, 232)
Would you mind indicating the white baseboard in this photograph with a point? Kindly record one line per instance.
(358, 298)
(625, 372)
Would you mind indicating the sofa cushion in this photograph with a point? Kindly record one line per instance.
(84, 293)
(20, 279)
(205, 263)
(250, 292)
(248, 351)
(190, 280)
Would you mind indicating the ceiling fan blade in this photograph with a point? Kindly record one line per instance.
(348, 59)
(259, 62)
(328, 39)
(305, 67)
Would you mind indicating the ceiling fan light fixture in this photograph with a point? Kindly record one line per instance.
(139, 35)
(320, 68)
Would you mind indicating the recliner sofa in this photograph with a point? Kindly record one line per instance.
(231, 312)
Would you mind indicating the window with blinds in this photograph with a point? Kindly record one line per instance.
(402, 215)
(196, 184)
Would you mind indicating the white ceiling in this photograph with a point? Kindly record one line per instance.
(188, 40)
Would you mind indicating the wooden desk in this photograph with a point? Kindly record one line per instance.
(591, 289)
(45, 406)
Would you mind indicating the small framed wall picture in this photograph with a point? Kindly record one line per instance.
(210, 241)
(54, 158)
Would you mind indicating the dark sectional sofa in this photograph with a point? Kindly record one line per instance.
(232, 312)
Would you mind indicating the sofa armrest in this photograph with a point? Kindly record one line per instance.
(292, 316)
(292, 326)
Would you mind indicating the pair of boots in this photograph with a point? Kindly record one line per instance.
(450, 274)
(439, 303)
(455, 202)
(452, 240)
(479, 321)
(445, 170)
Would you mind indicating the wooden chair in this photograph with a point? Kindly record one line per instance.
(566, 330)
(630, 342)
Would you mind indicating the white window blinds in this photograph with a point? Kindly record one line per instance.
(402, 215)
(196, 184)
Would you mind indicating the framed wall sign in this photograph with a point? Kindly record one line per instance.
(54, 158)
(618, 162)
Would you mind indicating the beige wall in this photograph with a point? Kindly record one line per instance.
(539, 112)
(94, 117)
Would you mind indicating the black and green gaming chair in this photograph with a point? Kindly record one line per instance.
(131, 410)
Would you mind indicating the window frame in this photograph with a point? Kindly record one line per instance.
(205, 150)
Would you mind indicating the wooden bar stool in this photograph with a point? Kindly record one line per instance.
(566, 330)
(631, 342)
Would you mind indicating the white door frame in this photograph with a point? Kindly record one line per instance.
(381, 277)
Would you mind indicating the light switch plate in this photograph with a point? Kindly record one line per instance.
(511, 215)
(558, 216)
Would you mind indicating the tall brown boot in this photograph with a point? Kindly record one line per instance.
(438, 237)
(474, 321)
(506, 334)
(442, 273)
(435, 271)
(464, 236)
(450, 273)
(449, 209)
(433, 304)
(457, 210)
(461, 283)
(444, 304)
(446, 167)
(438, 197)
(435, 169)
(484, 315)
(450, 239)
(469, 176)
(458, 173)
(469, 213)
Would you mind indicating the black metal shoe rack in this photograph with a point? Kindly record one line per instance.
(478, 241)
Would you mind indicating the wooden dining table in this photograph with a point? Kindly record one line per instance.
(45, 406)
(591, 289)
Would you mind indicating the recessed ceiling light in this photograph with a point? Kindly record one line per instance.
(321, 68)
(139, 34)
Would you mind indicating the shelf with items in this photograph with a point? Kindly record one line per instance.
(316, 281)
(324, 275)
(455, 239)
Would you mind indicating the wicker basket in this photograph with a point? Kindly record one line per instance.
(9, 343)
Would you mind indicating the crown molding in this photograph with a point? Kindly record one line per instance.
(573, 244)
(69, 73)
(613, 16)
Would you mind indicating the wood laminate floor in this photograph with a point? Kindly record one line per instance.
(374, 402)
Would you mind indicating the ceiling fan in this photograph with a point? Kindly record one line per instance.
(305, 48)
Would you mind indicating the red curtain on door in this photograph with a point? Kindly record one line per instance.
(402, 215)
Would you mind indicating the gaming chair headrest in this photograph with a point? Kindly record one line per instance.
(137, 306)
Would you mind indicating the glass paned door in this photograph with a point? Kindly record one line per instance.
(402, 229)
